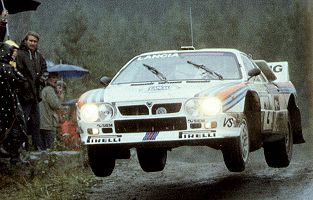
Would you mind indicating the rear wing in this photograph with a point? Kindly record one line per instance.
(274, 71)
(281, 70)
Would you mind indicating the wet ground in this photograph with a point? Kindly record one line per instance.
(200, 173)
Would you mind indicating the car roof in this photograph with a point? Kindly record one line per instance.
(235, 51)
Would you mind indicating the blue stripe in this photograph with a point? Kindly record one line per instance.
(230, 102)
(235, 94)
(150, 136)
(287, 90)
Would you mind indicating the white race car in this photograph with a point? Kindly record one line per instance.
(219, 98)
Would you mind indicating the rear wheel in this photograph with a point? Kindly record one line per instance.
(101, 160)
(278, 154)
(152, 160)
(236, 152)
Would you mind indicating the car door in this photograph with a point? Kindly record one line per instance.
(266, 91)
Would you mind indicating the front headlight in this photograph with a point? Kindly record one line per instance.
(89, 112)
(211, 106)
(203, 106)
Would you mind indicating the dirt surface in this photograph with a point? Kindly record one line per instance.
(200, 173)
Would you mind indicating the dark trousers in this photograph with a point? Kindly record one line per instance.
(47, 138)
(32, 116)
(14, 142)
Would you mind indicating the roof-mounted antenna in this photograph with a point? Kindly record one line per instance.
(191, 29)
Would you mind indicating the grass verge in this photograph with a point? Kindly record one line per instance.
(48, 175)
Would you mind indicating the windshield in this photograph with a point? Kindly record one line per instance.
(181, 66)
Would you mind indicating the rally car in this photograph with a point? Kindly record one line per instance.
(220, 98)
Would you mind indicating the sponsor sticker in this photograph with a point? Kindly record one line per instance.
(104, 139)
(196, 120)
(228, 122)
(192, 135)
(105, 125)
(158, 56)
(150, 136)
(158, 88)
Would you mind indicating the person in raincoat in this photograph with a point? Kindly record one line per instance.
(12, 122)
(3, 23)
(32, 65)
(14, 55)
(49, 107)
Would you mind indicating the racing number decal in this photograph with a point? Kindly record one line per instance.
(268, 118)
(228, 122)
(276, 102)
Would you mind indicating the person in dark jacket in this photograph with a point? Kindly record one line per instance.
(33, 66)
(3, 24)
(12, 122)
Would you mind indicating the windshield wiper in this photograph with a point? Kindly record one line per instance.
(155, 71)
(203, 67)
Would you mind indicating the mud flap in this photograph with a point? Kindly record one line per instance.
(295, 119)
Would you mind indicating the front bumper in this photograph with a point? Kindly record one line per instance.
(161, 131)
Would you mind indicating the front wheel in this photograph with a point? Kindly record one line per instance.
(101, 160)
(152, 160)
(236, 152)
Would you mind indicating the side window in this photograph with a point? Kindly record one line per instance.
(249, 65)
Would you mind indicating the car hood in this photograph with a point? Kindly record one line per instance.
(155, 91)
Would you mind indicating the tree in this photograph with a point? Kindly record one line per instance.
(76, 45)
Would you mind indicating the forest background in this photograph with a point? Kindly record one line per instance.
(102, 35)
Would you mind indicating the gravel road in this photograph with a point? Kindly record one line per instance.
(200, 173)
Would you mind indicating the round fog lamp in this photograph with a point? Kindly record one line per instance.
(105, 112)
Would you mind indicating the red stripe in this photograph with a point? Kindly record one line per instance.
(225, 93)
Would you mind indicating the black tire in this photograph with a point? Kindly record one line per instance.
(278, 154)
(152, 160)
(236, 152)
(101, 160)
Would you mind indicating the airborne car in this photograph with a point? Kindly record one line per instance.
(219, 98)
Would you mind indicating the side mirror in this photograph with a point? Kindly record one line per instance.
(254, 72)
(105, 80)
(267, 71)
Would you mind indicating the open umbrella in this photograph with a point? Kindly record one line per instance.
(16, 6)
(68, 71)
(49, 63)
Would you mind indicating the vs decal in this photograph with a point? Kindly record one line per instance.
(228, 122)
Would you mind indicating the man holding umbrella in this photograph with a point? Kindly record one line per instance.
(34, 68)
(13, 7)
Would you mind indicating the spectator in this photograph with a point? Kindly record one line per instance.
(49, 107)
(34, 68)
(15, 48)
(67, 130)
(12, 123)
(3, 24)
(61, 89)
